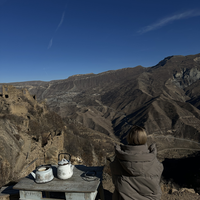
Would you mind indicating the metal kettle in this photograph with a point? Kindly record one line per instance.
(43, 174)
(65, 168)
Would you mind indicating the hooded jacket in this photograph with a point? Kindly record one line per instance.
(136, 173)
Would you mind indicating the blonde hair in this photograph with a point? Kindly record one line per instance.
(137, 135)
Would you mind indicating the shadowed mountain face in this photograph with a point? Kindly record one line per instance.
(163, 98)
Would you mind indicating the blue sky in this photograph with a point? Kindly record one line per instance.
(54, 39)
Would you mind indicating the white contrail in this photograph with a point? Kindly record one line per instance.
(50, 43)
(61, 21)
(167, 20)
(59, 25)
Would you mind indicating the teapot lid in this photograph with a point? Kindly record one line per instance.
(63, 162)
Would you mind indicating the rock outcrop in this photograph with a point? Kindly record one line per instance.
(31, 135)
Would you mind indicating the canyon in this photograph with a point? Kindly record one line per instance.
(86, 115)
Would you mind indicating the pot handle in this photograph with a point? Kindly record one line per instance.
(64, 153)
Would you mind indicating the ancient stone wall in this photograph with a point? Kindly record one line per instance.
(29, 137)
(9, 91)
(42, 155)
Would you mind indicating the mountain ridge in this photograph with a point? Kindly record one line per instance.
(121, 91)
(100, 109)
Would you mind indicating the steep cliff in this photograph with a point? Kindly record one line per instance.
(26, 127)
(31, 135)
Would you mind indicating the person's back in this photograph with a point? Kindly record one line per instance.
(136, 172)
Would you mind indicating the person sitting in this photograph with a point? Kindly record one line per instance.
(136, 171)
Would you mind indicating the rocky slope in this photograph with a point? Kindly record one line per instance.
(31, 135)
(26, 126)
(163, 98)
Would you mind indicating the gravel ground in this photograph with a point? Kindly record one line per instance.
(178, 195)
(181, 196)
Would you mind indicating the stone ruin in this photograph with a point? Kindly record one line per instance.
(9, 91)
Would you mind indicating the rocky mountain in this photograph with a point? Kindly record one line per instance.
(26, 130)
(102, 107)
(31, 135)
(163, 98)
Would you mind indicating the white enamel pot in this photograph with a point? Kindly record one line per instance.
(65, 168)
(43, 174)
